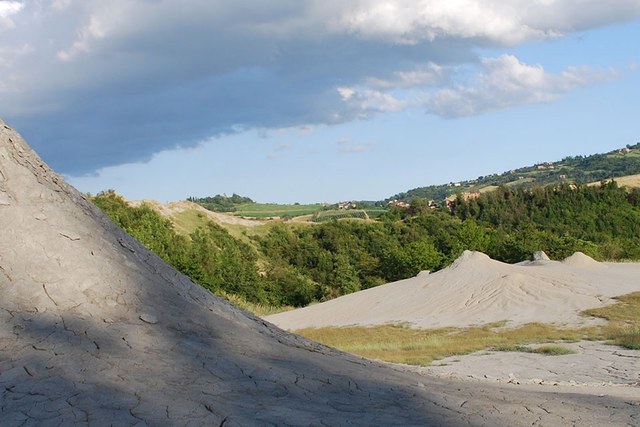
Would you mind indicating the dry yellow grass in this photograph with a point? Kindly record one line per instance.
(257, 309)
(403, 344)
(624, 320)
(488, 188)
(629, 181)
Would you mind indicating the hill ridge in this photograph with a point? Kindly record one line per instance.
(572, 169)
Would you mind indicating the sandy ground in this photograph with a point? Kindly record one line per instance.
(596, 370)
(96, 330)
(594, 364)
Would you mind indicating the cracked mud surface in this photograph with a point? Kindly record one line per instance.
(594, 364)
(96, 330)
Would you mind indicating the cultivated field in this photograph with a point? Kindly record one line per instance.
(270, 210)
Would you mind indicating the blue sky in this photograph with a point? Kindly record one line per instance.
(314, 101)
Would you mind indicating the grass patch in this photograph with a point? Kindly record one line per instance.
(488, 188)
(257, 309)
(187, 221)
(403, 344)
(630, 340)
(552, 350)
(375, 212)
(549, 349)
(626, 310)
(628, 181)
(267, 210)
(335, 214)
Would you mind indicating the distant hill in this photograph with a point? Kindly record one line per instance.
(578, 169)
(622, 164)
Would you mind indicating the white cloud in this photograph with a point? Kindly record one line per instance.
(346, 92)
(503, 22)
(428, 74)
(363, 102)
(411, 21)
(8, 8)
(497, 83)
(506, 82)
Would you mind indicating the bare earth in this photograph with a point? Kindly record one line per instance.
(593, 365)
(96, 330)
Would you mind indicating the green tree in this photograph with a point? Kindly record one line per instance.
(346, 277)
(409, 260)
(473, 237)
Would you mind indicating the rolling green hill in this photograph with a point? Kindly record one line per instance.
(314, 212)
(622, 164)
(577, 169)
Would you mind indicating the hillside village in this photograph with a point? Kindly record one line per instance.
(621, 162)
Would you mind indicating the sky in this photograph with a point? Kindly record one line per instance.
(314, 100)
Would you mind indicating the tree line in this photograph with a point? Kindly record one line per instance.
(221, 203)
(296, 265)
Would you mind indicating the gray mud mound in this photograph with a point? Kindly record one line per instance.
(96, 330)
(540, 256)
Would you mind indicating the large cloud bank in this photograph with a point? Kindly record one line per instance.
(117, 81)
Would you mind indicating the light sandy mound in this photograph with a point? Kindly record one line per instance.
(579, 259)
(476, 290)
